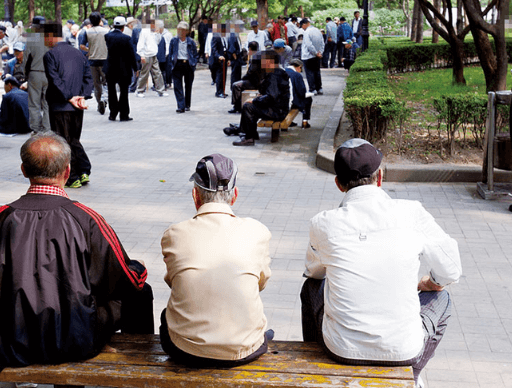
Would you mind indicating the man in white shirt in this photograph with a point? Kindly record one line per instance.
(147, 48)
(292, 30)
(256, 35)
(357, 28)
(312, 52)
(363, 261)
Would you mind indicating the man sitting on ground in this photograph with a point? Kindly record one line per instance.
(14, 108)
(302, 100)
(67, 283)
(285, 52)
(366, 254)
(217, 264)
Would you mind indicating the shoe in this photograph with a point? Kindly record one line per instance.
(221, 95)
(305, 124)
(231, 131)
(101, 107)
(213, 83)
(141, 95)
(126, 119)
(164, 94)
(244, 142)
(180, 110)
(112, 118)
(233, 111)
(314, 92)
(187, 109)
(234, 125)
(75, 185)
(320, 92)
(84, 179)
(293, 124)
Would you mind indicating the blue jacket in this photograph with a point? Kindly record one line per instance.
(218, 49)
(299, 89)
(344, 32)
(172, 58)
(14, 112)
(135, 39)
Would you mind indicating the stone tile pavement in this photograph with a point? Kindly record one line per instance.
(139, 183)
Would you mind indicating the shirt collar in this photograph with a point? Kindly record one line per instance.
(215, 207)
(363, 192)
(47, 190)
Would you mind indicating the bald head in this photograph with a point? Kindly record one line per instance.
(45, 158)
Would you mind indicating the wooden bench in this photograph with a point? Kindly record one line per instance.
(139, 361)
(278, 125)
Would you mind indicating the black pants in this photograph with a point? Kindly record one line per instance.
(181, 357)
(251, 113)
(236, 72)
(68, 124)
(118, 105)
(341, 50)
(313, 75)
(183, 72)
(220, 69)
(236, 90)
(329, 53)
(306, 112)
(137, 312)
(435, 312)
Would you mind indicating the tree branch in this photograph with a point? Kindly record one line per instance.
(445, 33)
(476, 16)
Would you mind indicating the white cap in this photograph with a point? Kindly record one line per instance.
(119, 21)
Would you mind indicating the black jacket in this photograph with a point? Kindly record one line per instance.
(275, 92)
(121, 62)
(62, 274)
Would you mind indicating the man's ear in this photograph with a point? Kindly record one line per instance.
(23, 171)
(197, 199)
(339, 185)
(67, 173)
(380, 176)
(235, 196)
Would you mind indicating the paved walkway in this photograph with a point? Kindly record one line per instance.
(139, 183)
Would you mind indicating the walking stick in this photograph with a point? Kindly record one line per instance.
(224, 77)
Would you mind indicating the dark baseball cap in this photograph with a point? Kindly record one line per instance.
(254, 23)
(215, 173)
(356, 159)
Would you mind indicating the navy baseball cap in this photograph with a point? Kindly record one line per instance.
(356, 159)
(215, 173)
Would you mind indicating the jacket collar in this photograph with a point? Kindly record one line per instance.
(361, 193)
(215, 207)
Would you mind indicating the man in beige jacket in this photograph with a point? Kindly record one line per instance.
(217, 264)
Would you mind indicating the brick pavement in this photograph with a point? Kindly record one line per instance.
(280, 186)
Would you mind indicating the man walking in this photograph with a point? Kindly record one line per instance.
(119, 67)
(312, 50)
(182, 60)
(331, 44)
(362, 266)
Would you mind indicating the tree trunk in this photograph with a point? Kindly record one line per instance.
(435, 35)
(58, 11)
(419, 27)
(460, 17)
(262, 7)
(407, 15)
(457, 48)
(414, 25)
(301, 10)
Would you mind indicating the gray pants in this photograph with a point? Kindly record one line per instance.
(39, 119)
(100, 83)
(152, 66)
(435, 312)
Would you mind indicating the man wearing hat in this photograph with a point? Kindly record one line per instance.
(285, 52)
(343, 33)
(5, 43)
(66, 30)
(217, 264)
(256, 35)
(362, 266)
(118, 69)
(15, 66)
(14, 108)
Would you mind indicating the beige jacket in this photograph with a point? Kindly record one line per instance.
(217, 264)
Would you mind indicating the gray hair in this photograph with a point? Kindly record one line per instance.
(45, 155)
(214, 196)
(370, 180)
(183, 25)
(159, 23)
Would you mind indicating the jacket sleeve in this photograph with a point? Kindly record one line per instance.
(51, 70)
(87, 80)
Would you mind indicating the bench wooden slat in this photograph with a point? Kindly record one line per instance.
(139, 361)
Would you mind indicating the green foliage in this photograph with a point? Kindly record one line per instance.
(368, 61)
(387, 22)
(318, 16)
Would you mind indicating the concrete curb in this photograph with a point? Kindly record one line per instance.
(398, 172)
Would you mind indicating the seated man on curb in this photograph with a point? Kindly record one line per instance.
(272, 103)
(302, 99)
(14, 114)
(66, 282)
(217, 264)
(361, 299)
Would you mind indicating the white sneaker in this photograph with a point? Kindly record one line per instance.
(141, 95)
(420, 383)
(163, 94)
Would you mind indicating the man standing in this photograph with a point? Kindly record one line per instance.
(202, 31)
(292, 30)
(147, 48)
(357, 28)
(331, 44)
(182, 60)
(344, 34)
(119, 67)
(234, 53)
(37, 82)
(14, 108)
(97, 49)
(217, 264)
(218, 61)
(362, 267)
(69, 84)
(256, 35)
(77, 283)
(312, 50)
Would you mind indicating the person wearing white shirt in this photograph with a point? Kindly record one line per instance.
(361, 299)
(357, 28)
(311, 54)
(147, 48)
(292, 30)
(256, 35)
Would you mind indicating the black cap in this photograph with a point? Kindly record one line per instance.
(3, 28)
(38, 20)
(356, 159)
(215, 173)
(254, 23)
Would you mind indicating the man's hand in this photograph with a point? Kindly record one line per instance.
(319, 55)
(78, 102)
(426, 284)
(229, 63)
(222, 59)
(143, 59)
(24, 86)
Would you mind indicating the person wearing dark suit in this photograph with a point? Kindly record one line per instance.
(299, 101)
(202, 31)
(218, 60)
(119, 68)
(14, 108)
(69, 85)
(235, 54)
(182, 61)
(357, 28)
